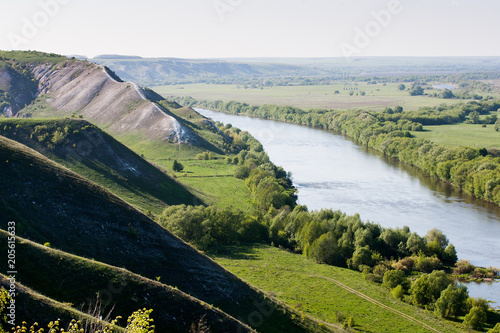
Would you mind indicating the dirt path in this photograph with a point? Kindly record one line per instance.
(369, 299)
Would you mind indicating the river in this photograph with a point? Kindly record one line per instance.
(331, 171)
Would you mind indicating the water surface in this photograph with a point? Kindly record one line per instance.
(331, 171)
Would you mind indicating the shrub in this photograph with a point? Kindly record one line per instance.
(495, 329)
(340, 316)
(394, 278)
(176, 166)
(242, 172)
(452, 302)
(57, 137)
(463, 267)
(476, 318)
(404, 264)
(398, 292)
(427, 264)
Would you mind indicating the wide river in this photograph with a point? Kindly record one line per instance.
(331, 171)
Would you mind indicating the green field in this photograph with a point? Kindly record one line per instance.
(471, 135)
(308, 287)
(377, 96)
(214, 182)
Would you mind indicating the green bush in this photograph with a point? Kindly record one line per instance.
(176, 166)
(393, 278)
(398, 292)
(476, 318)
(453, 301)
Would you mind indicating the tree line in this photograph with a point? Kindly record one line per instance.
(474, 170)
(410, 265)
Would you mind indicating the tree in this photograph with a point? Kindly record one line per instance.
(417, 91)
(450, 254)
(427, 288)
(447, 93)
(362, 256)
(396, 277)
(415, 243)
(437, 235)
(497, 125)
(436, 242)
(478, 302)
(325, 250)
(453, 301)
(398, 109)
(420, 291)
(474, 117)
(438, 281)
(401, 87)
(176, 166)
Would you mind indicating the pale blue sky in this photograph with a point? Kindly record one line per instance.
(251, 28)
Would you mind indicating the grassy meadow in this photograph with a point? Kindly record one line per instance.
(306, 286)
(214, 182)
(377, 96)
(472, 135)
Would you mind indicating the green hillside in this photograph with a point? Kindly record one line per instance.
(92, 153)
(76, 281)
(52, 204)
(42, 309)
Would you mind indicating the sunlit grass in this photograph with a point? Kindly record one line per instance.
(303, 284)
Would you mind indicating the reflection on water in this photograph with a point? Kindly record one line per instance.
(331, 171)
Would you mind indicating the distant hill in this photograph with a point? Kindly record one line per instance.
(116, 56)
(162, 71)
(152, 72)
(50, 203)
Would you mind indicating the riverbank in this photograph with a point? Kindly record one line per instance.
(333, 172)
(472, 170)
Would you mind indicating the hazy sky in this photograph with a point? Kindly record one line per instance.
(250, 28)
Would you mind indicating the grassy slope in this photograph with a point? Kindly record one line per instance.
(31, 57)
(377, 96)
(42, 309)
(222, 192)
(100, 158)
(295, 280)
(75, 280)
(211, 180)
(52, 204)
